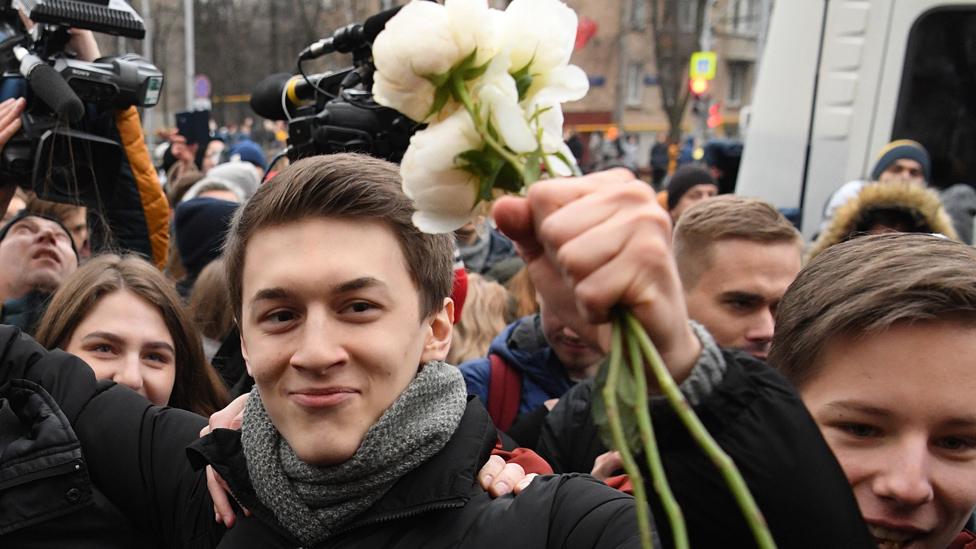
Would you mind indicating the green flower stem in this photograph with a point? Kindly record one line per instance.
(694, 425)
(679, 531)
(617, 432)
(460, 92)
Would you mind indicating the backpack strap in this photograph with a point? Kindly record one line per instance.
(504, 393)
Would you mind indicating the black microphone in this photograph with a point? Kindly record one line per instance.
(48, 85)
(271, 96)
(350, 37)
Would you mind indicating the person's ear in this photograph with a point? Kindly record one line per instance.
(441, 326)
(247, 362)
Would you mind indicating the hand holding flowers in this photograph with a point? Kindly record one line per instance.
(490, 85)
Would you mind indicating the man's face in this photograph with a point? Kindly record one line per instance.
(694, 195)
(903, 169)
(576, 355)
(736, 295)
(35, 254)
(211, 156)
(331, 330)
(896, 408)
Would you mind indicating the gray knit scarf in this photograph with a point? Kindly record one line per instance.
(313, 502)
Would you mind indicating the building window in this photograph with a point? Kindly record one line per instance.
(738, 75)
(635, 84)
(688, 15)
(744, 16)
(638, 14)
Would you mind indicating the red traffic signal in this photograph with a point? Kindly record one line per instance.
(698, 86)
(714, 115)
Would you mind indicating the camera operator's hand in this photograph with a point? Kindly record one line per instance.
(598, 241)
(83, 45)
(10, 111)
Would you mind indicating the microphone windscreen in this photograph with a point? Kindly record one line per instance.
(372, 26)
(52, 89)
(266, 96)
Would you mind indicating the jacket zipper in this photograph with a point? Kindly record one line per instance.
(74, 465)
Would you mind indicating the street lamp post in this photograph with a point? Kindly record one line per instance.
(190, 61)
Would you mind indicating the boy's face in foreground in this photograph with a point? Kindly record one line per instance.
(897, 410)
(331, 330)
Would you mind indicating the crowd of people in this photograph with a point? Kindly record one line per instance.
(250, 356)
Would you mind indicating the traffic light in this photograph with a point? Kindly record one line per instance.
(698, 86)
(714, 115)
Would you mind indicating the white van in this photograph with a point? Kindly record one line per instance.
(841, 78)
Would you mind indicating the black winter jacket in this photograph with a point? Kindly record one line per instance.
(46, 495)
(136, 454)
(759, 420)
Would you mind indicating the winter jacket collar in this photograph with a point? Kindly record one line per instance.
(448, 480)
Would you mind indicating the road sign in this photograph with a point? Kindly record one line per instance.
(702, 65)
(201, 86)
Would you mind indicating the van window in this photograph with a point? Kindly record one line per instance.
(937, 99)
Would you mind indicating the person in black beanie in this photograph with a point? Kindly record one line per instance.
(689, 185)
(200, 226)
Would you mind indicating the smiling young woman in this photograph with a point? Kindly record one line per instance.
(123, 317)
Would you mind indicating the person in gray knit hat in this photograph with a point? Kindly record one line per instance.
(233, 181)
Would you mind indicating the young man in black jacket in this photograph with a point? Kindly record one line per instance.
(355, 434)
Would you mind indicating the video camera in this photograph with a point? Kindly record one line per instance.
(335, 112)
(55, 155)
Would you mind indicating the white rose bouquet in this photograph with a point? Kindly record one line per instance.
(490, 85)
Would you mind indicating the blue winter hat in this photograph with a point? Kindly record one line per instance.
(249, 151)
(902, 149)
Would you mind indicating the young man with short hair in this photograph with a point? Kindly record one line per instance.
(878, 335)
(736, 257)
(356, 433)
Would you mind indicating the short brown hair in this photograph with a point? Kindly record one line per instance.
(343, 186)
(866, 286)
(721, 218)
(197, 387)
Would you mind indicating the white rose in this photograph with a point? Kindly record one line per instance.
(562, 84)
(540, 31)
(443, 194)
(426, 39)
(546, 95)
(550, 121)
(499, 96)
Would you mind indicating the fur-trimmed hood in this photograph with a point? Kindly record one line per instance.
(880, 201)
